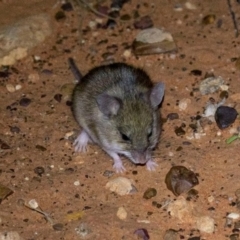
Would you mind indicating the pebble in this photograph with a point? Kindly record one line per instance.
(225, 116)
(122, 213)
(209, 19)
(11, 235)
(172, 116)
(233, 215)
(210, 85)
(83, 230)
(39, 171)
(143, 23)
(205, 224)
(184, 103)
(19, 37)
(150, 193)
(58, 226)
(10, 88)
(4, 192)
(33, 77)
(33, 204)
(18, 87)
(153, 41)
(234, 236)
(127, 53)
(171, 234)
(190, 6)
(121, 186)
(211, 199)
(179, 180)
(76, 183)
(142, 233)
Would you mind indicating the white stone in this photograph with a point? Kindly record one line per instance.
(12, 235)
(184, 103)
(211, 199)
(76, 183)
(10, 88)
(122, 213)
(120, 185)
(127, 53)
(205, 224)
(18, 38)
(233, 215)
(190, 6)
(18, 87)
(33, 203)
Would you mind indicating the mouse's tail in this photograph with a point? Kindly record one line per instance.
(74, 69)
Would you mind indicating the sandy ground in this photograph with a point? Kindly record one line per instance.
(72, 187)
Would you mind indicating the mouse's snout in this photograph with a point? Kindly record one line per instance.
(140, 156)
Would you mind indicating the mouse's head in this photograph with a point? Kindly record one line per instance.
(135, 123)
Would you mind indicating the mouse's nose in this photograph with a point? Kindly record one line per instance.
(140, 156)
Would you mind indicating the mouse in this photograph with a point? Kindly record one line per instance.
(117, 107)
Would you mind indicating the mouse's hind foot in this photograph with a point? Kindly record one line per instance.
(80, 143)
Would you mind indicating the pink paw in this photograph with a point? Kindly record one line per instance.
(81, 142)
(118, 167)
(151, 165)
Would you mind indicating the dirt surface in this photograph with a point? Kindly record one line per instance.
(72, 187)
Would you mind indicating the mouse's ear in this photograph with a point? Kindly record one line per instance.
(108, 105)
(156, 94)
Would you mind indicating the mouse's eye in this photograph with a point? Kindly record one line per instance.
(125, 137)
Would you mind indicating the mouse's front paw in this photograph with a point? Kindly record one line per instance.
(151, 165)
(80, 144)
(118, 167)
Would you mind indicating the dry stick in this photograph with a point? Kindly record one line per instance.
(233, 18)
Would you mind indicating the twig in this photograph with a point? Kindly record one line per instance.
(233, 18)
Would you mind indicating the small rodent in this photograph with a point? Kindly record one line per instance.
(117, 107)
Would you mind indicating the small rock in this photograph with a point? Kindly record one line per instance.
(184, 103)
(172, 116)
(18, 87)
(121, 186)
(67, 7)
(10, 88)
(127, 53)
(83, 230)
(153, 41)
(3, 145)
(210, 85)
(24, 102)
(171, 235)
(209, 19)
(190, 6)
(181, 209)
(180, 180)
(60, 15)
(4, 192)
(234, 236)
(58, 226)
(233, 216)
(143, 23)
(205, 224)
(58, 97)
(225, 116)
(33, 77)
(10, 235)
(142, 233)
(14, 129)
(122, 213)
(108, 173)
(196, 72)
(18, 38)
(149, 193)
(179, 131)
(39, 171)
